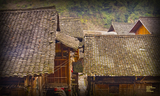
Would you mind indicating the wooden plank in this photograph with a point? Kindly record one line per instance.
(26, 81)
(78, 53)
(40, 85)
(142, 30)
(57, 77)
(65, 85)
(69, 73)
(62, 50)
(101, 89)
(60, 59)
(58, 71)
(59, 66)
(61, 74)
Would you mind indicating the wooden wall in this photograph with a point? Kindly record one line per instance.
(99, 88)
(61, 63)
(12, 86)
(142, 30)
(13, 92)
(61, 72)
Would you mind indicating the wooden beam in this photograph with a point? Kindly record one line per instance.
(34, 85)
(26, 81)
(26, 84)
(78, 53)
(142, 79)
(60, 59)
(69, 74)
(61, 50)
(40, 85)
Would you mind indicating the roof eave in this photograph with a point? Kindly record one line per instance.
(67, 40)
(133, 29)
(111, 28)
(145, 26)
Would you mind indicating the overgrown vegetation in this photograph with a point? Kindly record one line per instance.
(106, 11)
(97, 12)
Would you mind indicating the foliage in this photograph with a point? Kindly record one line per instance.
(100, 12)
(18, 5)
(112, 10)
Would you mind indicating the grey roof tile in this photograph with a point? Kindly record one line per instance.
(23, 35)
(150, 23)
(122, 55)
(121, 28)
(71, 26)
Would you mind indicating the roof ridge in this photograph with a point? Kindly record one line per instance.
(149, 17)
(122, 22)
(49, 7)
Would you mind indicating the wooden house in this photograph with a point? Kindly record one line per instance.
(120, 65)
(34, 56)
(72, 27)
(121, 28)
(146, 25)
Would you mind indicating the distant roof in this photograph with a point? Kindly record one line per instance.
(67, 40)
(152, 24)
(71, 26)
(27, 41)
(121, 28)
(121, 55)
(96, 32)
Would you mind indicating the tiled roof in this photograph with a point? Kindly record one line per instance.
(150, 23)
(94, 32)
(71, 26)
(67, 40)
(27, 40)
(121, 28)
(122, 55)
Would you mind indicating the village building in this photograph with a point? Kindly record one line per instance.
(121, 28)
(35, 56)
(72, 27)
(146, 25)
(87, 32)
(120, 65)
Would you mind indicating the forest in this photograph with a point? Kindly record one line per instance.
(106, 11)
(97, 12)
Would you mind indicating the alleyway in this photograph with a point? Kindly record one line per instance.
(82, 85)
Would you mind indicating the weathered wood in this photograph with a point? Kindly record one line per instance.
(78, 53)
(53, 85)
(139, 86)
(69, 74)
(60, 59)
(40, 86)
(142, 30)
(75, 82)
(17, 92)
(57, 77)
(109, 79)
(101, 89)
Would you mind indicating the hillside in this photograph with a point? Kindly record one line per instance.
(94, 14)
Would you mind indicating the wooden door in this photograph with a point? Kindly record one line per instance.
(60, 72)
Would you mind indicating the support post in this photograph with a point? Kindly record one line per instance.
(26, 84)
(40, 85)
(69, 74)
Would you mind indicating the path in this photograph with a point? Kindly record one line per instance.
(82, 85)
